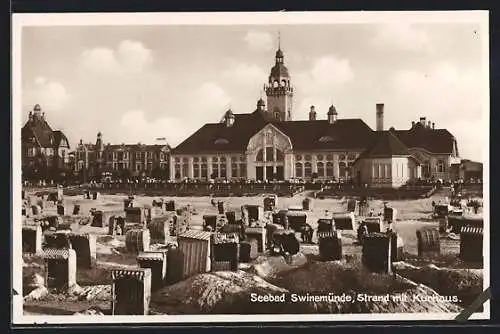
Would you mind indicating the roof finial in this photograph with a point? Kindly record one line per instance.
(279, 40)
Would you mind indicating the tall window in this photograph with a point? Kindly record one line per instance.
(329, 169)
(234, 170)
(204, 170)
(177, 171)
(269, 153)
(298, 170)
(342, 169)
(185, 168)
(223, 173)
(279, 155)
(243, 170)
(196, 171)
(215, 170)
(307, 169)
(321, 169)
(260, 156)
(440, 166)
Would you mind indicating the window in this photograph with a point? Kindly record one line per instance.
(298, 157)
(125, 155)
(185, 168)
(269, 154)
(120, 155)
(319, 157)
(150, 167)
(138, 155)
(374, 171)
(177, 171)
(329, 169)
(233, 158)
(279, 155)
(234, 170)
(223, 173)
(260, 156)
(215, 159)
(184, 160)
(342, 157)
(440, 166)
(30, 152)
(242, 158)
(223, 159)
(162, 156)
(204, 170)
(329, 157)
(215, 171)
(243, 170)
(342, 169)
(307, 169)
(321, 169)
(196, 171)
(138, 166)
(389, 171)
(351, 156)
(203, 159)
(298, 170)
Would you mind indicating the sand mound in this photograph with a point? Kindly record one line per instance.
(266, 267)
(220, 292)
(466, 284)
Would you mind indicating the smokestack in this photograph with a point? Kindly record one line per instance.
(312, 114)
(422, 121)
(433, 124)
(380, 116)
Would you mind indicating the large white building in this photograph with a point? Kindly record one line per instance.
(268, 144)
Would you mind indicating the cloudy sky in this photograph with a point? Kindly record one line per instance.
(138, 83)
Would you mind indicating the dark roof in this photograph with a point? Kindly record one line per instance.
(58, 137)
(279, 71)
(385, 145)
(38, 128)
(432, 140)
(319, 134)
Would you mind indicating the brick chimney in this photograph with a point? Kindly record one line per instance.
(433, 125)
(380, 116)
(312, 114)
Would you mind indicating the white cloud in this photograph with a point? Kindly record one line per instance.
(140, 129)
(447, 95)
(129, 57)
(326, 76)
(403, 36)
(210, 97)
(259, 41)
(51, 95)
(244, 74)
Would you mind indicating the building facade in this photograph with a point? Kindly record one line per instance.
(45, 152)
(126, 160)
(268, 144)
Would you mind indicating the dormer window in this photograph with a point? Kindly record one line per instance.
(326, 139)
(221, 141)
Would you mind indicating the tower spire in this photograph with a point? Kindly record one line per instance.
(279, 40)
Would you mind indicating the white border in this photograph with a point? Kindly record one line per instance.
(254, 18)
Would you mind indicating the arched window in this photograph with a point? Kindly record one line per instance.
(177, 171)
(307, 169)
(223, 173)
(196, 159)
(342, 157)
(215, 159)
(279, 155)
(329, 169)
(342, 169)
(276, 84)
(203, 159)
(260, 156)
(234, 170)
(283, 83)
(185, 168)
(298, 170)
(196, 171)
(321, 169)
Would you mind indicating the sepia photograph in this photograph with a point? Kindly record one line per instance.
(242, 167)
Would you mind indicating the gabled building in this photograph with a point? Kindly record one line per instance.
(268, 144)
(44, 151)
(137, 159)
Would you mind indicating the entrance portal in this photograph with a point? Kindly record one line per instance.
(280, 173)
(259, 173)
(270, 173)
